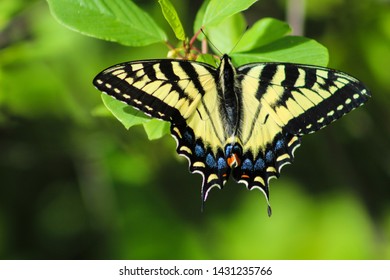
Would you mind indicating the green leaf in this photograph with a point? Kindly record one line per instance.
(199, 18)
(120, 21)
(264, 31)
(209, 59)
(129, 117)
(218, 10)
(287, 49)
(126, 114)
(156, 129)
(173, 19)
(225, 35)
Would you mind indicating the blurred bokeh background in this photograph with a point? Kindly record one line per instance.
(74, 184)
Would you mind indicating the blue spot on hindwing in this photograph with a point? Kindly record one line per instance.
(259, 164)
(199, 151)
(221, 163)
(228, 150)
(236, 149)
(247, 165)
(279, 145)
(187, 137)
(269, 157)
(210, 161)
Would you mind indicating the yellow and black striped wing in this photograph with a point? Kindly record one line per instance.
(165, 89)
(183, 93)
(246, 121)
(282, 102)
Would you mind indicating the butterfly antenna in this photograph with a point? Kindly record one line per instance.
(239, 39)
(210, 42)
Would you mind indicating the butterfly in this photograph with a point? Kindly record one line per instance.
(243, 122)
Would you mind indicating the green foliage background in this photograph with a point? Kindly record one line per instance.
(74, 184)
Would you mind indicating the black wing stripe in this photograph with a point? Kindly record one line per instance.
(266, 76)
(189, 69)
(166, 68)
(291, 76)
(171, 79)
(149, 71)
(310, 77)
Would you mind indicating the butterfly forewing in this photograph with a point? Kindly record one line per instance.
(154, 87)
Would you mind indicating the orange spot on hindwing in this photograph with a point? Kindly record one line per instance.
(233, 161)
(233, 155)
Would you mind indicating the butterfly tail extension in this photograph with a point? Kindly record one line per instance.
(254, 176)
(251, 170)
(212, 166)
(257, 170)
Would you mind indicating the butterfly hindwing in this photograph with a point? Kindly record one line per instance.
(205, 159)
